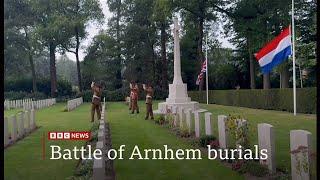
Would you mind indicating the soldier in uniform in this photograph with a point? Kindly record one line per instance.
(134, 94)
(96, 100)
(149, 95)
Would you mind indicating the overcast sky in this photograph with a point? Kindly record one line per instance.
(94, 30)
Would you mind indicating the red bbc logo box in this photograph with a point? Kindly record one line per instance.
(80, 135)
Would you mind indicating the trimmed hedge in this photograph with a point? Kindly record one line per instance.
(14, 95)
(270, 99)
(43, 85)
(120, 94)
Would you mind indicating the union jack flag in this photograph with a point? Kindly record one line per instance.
(203, 70)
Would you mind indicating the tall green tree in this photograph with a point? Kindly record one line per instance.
(162, 14)
(115, 30)
(19, 26)
(201, 11)
(80, 14)
(53, 29)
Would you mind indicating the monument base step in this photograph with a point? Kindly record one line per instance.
(194, 106)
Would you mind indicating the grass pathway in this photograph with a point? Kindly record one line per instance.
(132, 129)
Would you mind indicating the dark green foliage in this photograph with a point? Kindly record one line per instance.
(43, 86)
(205, 140)
(13, 95)
(270, 99)
(120, 94)
(254, 168)
(160, 119)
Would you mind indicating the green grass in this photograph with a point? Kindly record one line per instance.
(132, 129)
(24, 159)
(11, 112)
(283, 122)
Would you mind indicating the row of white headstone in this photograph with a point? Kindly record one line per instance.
(13, 104)
(39, 104)
(72, 104)
(99, 170)
(300, 161)
(20, 125)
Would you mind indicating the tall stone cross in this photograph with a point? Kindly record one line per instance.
(177, 79)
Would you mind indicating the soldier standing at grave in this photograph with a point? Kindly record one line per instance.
(134, 97)
(96, 100)
(130, 100)
(149, 94)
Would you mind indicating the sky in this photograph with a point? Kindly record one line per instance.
(94, 30)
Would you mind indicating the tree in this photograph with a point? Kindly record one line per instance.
(115, 30)
(19, 23)
(100, 61)
(80, 13)
(53, 29)
(201, 11)
(162, 15)
(67, 70)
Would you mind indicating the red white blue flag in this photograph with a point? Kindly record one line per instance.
(275, 52)
(203, 70)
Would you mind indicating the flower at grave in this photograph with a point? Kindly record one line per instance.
(237, 165)
(313, 154)
(302, 148)
(214, 144)
(295, 151)
(264, 161)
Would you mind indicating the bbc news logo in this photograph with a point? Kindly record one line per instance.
(82, 135)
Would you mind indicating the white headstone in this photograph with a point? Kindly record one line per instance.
(21, 124)
(181, 116)
(207, 117)
(197, 123)
(99, 164)
(188, 118)
(5, 131)
(32, 119)
(175, 115)
(267, 141)
(223, 136)
(27, 119)
(14, 133)
(300, 161)
(101, 135)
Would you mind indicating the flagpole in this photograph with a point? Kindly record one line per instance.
(207, 65)
(293, 61)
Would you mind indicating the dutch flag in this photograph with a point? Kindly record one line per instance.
(275, 52)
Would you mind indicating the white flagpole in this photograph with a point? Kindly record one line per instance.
(207, 68)
(293, 62)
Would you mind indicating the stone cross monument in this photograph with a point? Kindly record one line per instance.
(178, 95)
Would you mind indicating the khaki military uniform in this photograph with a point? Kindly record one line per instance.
(134, 98)
(96, 101)
(149, 96)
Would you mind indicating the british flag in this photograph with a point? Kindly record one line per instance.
(203, 70)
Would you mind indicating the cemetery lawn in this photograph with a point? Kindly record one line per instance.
(23, 160)
(10, 112)
(131, 129)
(282, 122)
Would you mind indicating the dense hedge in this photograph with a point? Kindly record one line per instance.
(13, 95)
(44, 86)
(120, 94)
(272, 99)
